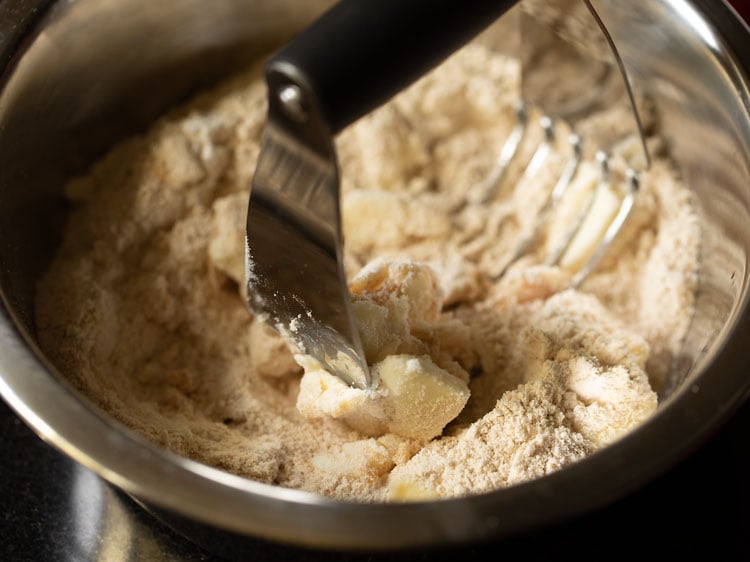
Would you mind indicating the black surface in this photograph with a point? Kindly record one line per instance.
(55, 510)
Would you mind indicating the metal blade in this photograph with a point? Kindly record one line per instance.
(295, 277)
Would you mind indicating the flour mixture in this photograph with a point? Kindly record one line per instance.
(484, 381)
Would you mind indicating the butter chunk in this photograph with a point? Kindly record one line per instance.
(603, 211)
(322, 394)
(422, 397)
(405, 490)
(418, 383)
(414, 398)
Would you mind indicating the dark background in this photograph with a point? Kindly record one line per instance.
(52, 509)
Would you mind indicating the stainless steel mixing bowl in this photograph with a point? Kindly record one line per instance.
(79, 74)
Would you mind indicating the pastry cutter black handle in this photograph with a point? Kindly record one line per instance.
(360, 53)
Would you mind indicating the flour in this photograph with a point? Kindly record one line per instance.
(143, 309)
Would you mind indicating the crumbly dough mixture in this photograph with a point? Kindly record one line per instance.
(486, 379)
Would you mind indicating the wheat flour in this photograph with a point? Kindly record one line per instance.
(143, 308)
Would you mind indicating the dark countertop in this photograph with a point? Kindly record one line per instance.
(55, 510)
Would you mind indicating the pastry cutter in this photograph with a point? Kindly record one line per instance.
(350, 61)
(354, 58)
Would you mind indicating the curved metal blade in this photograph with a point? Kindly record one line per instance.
(295, 278)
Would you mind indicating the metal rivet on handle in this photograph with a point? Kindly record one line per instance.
(293, 103)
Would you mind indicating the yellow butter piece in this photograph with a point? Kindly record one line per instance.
(602, 212)
(421, 397)
(405, 490)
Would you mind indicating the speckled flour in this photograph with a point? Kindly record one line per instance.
(143, 308)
